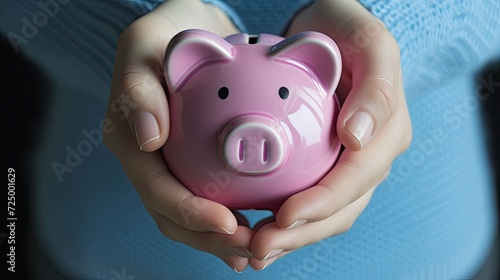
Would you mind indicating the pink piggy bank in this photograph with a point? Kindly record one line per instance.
(253, 118)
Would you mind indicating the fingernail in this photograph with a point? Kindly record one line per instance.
(146, 128)
(296, 224)
(264, 267)
(360, 125)
(269, 262)
(240, 252)
(232, 266)
(220, 229)
(236, 270)
(273, 254)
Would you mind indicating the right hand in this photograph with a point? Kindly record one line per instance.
(373, 124)
(137, 125)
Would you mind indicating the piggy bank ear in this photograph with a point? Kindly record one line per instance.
(190, 50)
(315, 52)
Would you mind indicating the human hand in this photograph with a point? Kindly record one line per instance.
(373, 124)
(138, 111)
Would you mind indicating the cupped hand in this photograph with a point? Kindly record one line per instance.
(373, 124)
(138, 113)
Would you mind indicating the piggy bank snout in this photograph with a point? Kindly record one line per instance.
(253, 145)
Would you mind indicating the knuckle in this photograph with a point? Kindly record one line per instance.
(169, 233)
(134, 94)
(404, 132)
(156, 178)
(313, 239)
(328, 194)
(408, 136)
(140, 89)
(406, 143)
(387, 45)
(387, 173)
(164, 226)
(384, 177)
(346, 226)
(383, 98)
(364, 181)
(394, 46)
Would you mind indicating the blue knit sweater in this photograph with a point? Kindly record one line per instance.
(433, 218)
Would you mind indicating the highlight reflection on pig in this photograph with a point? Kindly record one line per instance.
(252, 119)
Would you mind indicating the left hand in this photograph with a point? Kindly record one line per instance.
(138, 125)
(374, 126)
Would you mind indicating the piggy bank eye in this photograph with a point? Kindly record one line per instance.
(283, 92)
(223, 92)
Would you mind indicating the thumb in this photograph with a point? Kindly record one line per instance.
(137, 94)
(137, 86)
(372, 100)
(143, 103)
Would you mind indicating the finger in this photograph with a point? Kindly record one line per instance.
(353, 174)
(238, 264)
(160, 190)
(370, 56)
(351, 178)
(138, 86)
(272, 239)
(376, 84)
(165, 195)
(263, 264)
(142, 101)
(222, 245)
(137, 90)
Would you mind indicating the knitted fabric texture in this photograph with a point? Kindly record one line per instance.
(433, 218)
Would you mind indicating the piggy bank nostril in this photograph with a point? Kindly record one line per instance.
(265, 151)
(241, 150)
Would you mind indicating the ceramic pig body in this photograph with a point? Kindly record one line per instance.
(251, 123)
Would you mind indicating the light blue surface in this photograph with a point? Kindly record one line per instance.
(432, 219)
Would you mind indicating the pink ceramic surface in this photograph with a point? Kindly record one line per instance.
(252, 118)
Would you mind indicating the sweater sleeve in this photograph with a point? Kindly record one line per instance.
(260, 16)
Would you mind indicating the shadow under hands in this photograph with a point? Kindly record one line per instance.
(489, 91)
